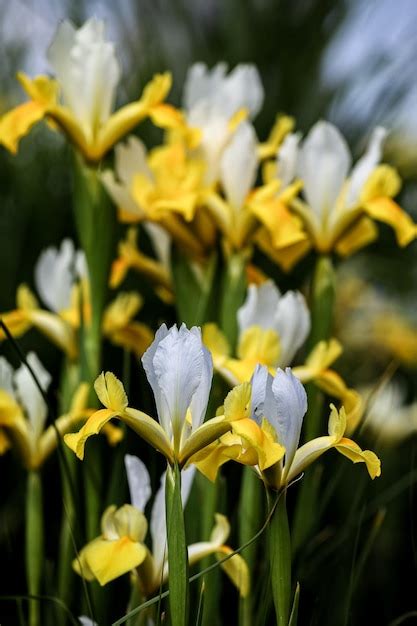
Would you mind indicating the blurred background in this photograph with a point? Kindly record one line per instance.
(351, 62)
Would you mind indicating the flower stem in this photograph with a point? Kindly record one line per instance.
(280, 559)
(177, 549)
(34, 543)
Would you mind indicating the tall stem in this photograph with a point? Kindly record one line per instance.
(233, 293)
(322, 304)
(177, 549)
(280, 560)
(34, 543)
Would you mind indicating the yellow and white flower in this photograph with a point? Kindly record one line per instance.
(61, 280)
(268, 437)
(215, 102)
(81, 99)
(23, 413)
(339, 204)
(179, 369)
(121, 547)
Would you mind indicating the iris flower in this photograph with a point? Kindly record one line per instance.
(23, 413)
(179, 369)
(81, 99)
(267, 438)
(272, 327)
(338, 203)
(121, 547)
(61, 280)
(163, 186)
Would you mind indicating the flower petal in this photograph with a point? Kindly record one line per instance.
(108, 560)
(139, 481)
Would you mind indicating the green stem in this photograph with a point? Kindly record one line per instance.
(34, 543)
(177, 549)
(250, 519)
(322, 304)
(280, 560)
(233, 294)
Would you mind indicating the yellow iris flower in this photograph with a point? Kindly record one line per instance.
(121, 547)
(23, 414)
(164, 187)
(267, 438)
(55, 273)
(272, 327)
(338, 206)
(87, 73)
(179, 370)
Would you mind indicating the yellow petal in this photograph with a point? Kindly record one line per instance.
(237, 570)
(384, 181)
(17, 123)
(337, 423)
(126, 118)
(17, 323)
(283, 125)
(209, 460)
(77, 441)
(216, 342)
(268, 451)
(387, 211)
(113, 434)
(285, 257)
(41, 89)
(150, 430)
(110, 392)
(237, 403)
(352, 451)
(361, 234)
(203, 436)
(259, 346)
(5, 442)
(108, 560)
(284, 228)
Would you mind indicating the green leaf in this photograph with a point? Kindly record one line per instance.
(234, 287)
(177, 549)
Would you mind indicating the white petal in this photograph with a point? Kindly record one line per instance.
(29, 395)
(365, 165)
(120, 194)
(130, 159)
(200, 398)
(55, 274)
(239, 164)
(178, 367)
(201, 83)
(6, 376)
(148, 365)
(138, 480)
(86, 621)
(323, 164)
(158, 519)
(161, 243)
(260, 306)
(80, 265)
(292, 321)
(87, 70)
(242, 89)
(287, 159)
(291, 403)
(263, 403)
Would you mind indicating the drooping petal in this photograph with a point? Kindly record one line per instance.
(108, 560)
(291, 401)
(323, 164)
(77, 441)
(138, 480)
(389, 212)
